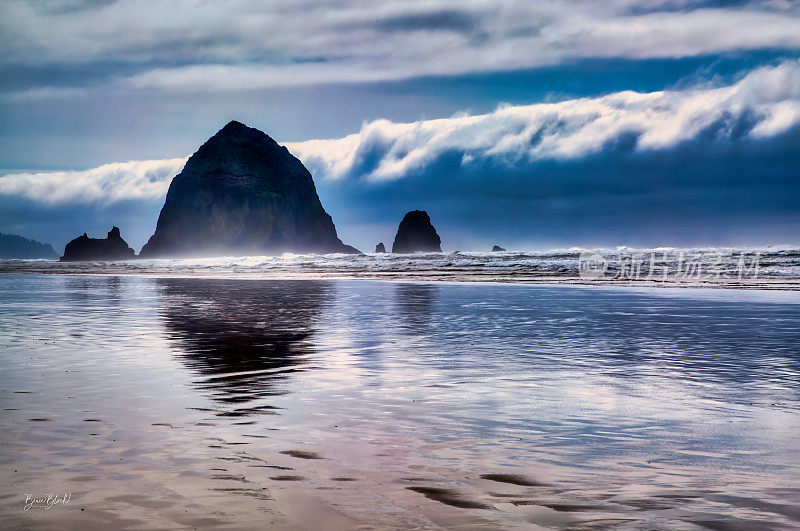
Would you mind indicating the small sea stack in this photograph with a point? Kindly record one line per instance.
(497, 249)
(416, 234)
(84, 248)
(380, 248)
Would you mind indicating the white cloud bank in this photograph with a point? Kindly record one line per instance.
(190, 45)
(764, 104)
(767, 100)
(106, 184)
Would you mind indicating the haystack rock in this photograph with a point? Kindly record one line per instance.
(497, 249)
(416, 233)
(380, 248)
(84, 248)
(242, 193)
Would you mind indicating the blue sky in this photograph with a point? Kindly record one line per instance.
(529, 124)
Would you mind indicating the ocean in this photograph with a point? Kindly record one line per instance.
(176, 394)
(774, 267)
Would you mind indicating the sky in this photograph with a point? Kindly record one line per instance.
(532, 125)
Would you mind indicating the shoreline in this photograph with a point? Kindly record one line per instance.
(429, 277)
(765, 268)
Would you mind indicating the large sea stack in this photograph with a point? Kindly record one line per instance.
(416, 233)
(242, 193)
(84, 248)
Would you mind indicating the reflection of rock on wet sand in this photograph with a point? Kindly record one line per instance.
(415, 303)
(243, 337)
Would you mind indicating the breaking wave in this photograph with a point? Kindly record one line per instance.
(773, 267)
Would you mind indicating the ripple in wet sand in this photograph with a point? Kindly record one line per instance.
(512, 479)
(449, 497)
(567, 507)
(253, 493)
(302, 454)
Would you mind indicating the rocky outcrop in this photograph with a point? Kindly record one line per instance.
(13, 246)
(242, 193)
(497, 249)
(380, 248)
(416, 233)
(83, 248)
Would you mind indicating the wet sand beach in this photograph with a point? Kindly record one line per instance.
(177, 403)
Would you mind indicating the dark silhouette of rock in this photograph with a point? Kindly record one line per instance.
(13, 246)
(497, 249)
(244, 339)
(113, 247)
(242, 193)
(416, 233)
(380, 248)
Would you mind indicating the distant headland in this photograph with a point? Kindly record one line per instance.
(19, 247)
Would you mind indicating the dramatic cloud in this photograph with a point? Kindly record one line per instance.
(188, 46)
(764, 104)
(110, 183)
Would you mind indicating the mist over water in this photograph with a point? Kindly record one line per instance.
(209, 401)
(776, 267)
